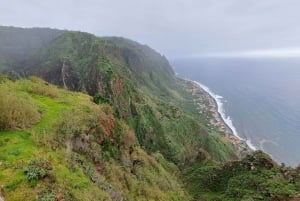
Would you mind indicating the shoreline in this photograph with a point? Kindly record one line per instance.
(226, 120)
(220, 109)
(219, 120)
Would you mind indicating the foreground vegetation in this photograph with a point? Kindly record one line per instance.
(255, 177)
(77, 151)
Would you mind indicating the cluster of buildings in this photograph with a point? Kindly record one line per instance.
(207, 106)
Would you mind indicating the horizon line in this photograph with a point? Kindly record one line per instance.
(255, 53)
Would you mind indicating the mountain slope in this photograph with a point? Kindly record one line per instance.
(138, 82)
(84, 55)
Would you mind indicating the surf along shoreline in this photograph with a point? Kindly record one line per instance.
(207, 101)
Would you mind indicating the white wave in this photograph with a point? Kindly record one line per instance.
(250, 145)
(225, 118)
(265, 141)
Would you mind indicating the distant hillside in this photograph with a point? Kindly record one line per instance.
(16, 44)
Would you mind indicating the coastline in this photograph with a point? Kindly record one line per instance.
(258, 112)
(220, 109)
(219, 120)
(227, 120)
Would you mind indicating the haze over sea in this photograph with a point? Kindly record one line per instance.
(260, 95)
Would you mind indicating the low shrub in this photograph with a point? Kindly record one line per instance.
(37, 169)
(40, 87)
(47, 197)
(99, 99)
(17, 113)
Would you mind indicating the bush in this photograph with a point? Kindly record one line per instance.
(47, 197)
(37, 169)
(17, 113)
(98, 99)
(40, 87)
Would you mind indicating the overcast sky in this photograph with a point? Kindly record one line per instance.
(176, 28)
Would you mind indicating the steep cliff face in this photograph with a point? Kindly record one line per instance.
(94, 62)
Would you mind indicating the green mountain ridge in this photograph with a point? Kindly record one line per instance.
(128, 131)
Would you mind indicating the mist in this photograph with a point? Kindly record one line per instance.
(175, 28)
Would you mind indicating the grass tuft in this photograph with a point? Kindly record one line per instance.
(17, 112)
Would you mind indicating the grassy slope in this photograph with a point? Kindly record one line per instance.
(150, 181)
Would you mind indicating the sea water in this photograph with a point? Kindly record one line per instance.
(259, 99)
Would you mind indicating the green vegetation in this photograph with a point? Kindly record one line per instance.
(37, 169)
(255, 177)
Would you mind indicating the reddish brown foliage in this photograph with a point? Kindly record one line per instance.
(108, 123)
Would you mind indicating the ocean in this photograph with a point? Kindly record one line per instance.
(259, 98)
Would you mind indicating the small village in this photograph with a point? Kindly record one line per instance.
(208, 107)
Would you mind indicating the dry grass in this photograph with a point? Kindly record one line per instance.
(40, 87)
(16, 112)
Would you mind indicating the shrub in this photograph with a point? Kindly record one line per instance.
(128, 139)
(98, 99)
(37, 169)
(47, 197)
(4, 78)
(40, 87)
(17, 113)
